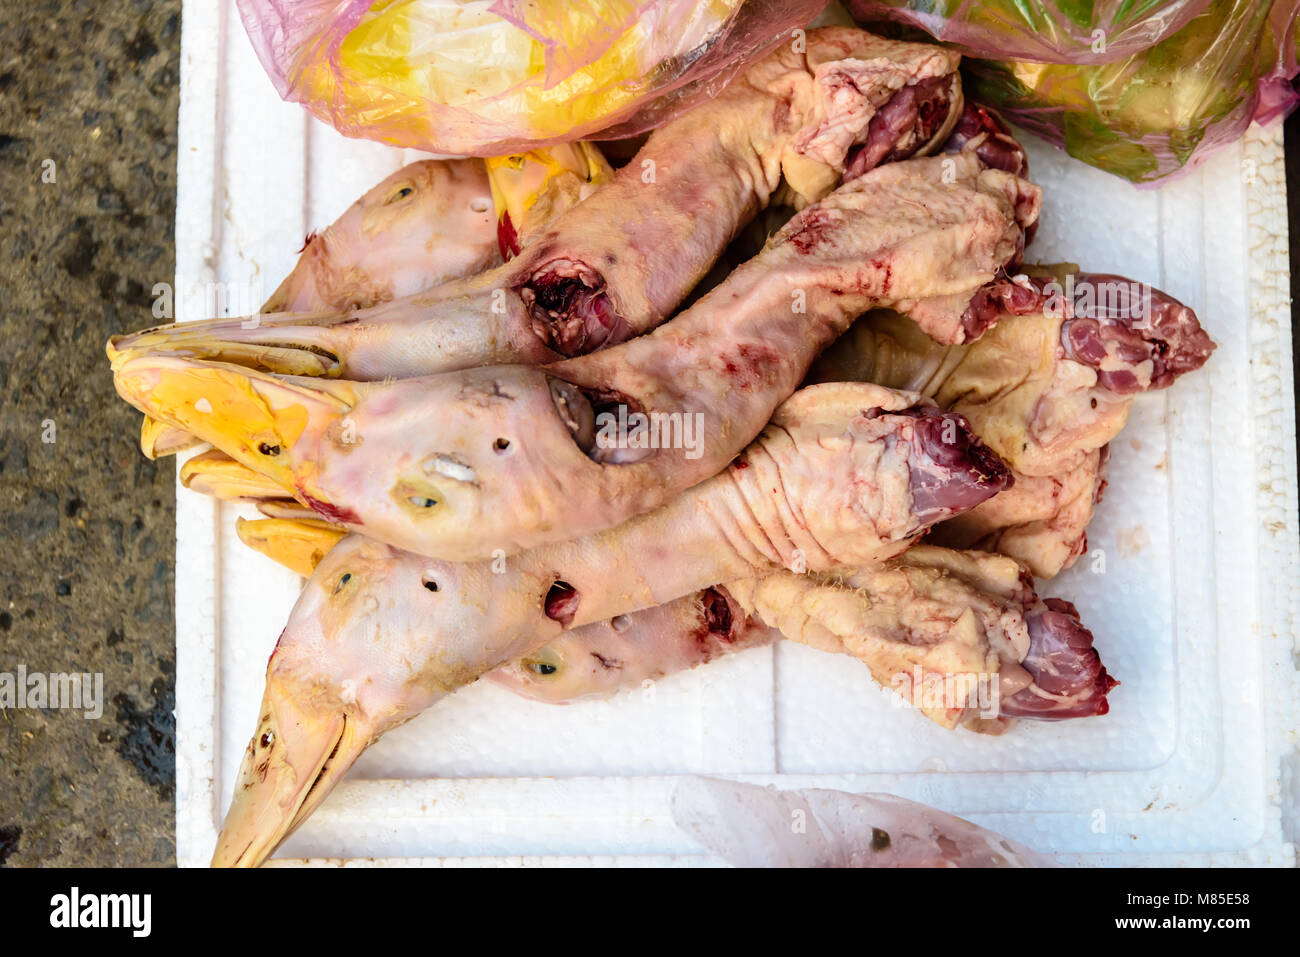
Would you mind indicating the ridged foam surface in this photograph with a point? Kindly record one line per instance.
(1190, 586)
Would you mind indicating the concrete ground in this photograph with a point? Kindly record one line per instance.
(88, 100)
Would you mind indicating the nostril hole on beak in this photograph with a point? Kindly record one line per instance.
(431, 585)
(562, 602)
(267, 448)
(501, 445)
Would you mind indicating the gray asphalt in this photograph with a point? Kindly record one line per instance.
(88, 523)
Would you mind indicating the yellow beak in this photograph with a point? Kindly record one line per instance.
(263, 421)
(295, 758)
(297, 544)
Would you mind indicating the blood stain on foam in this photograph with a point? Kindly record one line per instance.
(1131, 541)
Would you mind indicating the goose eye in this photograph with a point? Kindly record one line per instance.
(346, 577)
(431, 585)
(542, 668)
(268, 739)
(418, 493)
(401, 194)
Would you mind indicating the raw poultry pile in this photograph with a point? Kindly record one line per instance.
(512, 450)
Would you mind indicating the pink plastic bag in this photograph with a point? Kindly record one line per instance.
(493, 77)
(1052, 31)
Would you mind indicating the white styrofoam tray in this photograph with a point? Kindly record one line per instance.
(1194, 609)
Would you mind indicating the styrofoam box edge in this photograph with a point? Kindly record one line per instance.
(631, 812)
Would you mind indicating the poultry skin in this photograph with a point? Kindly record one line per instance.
(470, 464)
(845, 474)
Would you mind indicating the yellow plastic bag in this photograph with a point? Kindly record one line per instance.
(1051, 31)
(490, 77)
(1161, 111)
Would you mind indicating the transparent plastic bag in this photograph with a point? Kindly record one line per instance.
(750, 826)
(1164, 110)
(491, 77)
(1053, 31)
